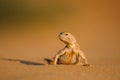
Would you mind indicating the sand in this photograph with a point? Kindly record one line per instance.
(27, 70)
(23, 59)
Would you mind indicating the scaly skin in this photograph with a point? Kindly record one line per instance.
(71, 53)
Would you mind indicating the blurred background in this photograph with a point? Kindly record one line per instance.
(29, 28)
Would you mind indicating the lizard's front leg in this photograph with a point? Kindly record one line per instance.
(61, 52)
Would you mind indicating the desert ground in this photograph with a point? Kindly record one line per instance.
(26, 41)
(22, 57)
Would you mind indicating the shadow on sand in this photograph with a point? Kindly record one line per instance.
(49, 61)
(23, 61)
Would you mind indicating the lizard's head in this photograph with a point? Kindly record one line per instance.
(67, 38)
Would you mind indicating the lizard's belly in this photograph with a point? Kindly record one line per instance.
(68, 58)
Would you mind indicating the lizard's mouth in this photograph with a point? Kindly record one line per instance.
(66, 41)
(62, 38)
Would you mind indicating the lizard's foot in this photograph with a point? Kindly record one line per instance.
(86, 65)
(83, 64)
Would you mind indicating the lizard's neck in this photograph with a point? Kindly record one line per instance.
(73, 45)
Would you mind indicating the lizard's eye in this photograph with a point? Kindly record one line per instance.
(66, 34)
